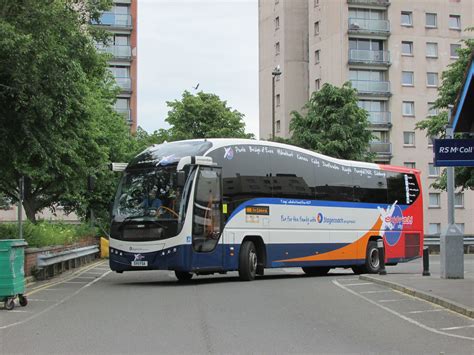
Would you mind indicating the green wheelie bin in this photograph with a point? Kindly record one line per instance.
(12, 272)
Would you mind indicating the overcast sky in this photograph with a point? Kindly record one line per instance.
(185, 42)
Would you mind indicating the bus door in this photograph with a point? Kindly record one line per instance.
(207, 220)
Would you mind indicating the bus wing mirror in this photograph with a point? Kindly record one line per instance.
(180, 178)
(194, 160)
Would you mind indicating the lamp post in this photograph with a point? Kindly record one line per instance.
(276, 72)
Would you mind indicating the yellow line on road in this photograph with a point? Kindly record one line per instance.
(74, 275)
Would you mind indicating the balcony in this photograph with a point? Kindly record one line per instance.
(118, 52)
(371, 3)
(380, 118)
(368, 26)
(383, 150)
(124, 83)
(125, 113)
(362, 56)
(372, 88)
(115, 20)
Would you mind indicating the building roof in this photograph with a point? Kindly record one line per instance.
(462, 119)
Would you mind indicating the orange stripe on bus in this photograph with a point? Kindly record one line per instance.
(354, 250)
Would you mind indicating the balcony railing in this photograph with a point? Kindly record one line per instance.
(368, 56)
(124, 52)
(362, 25)
(380, 117)
(382, 3)
(125, 113)
(381, 148)
(372, 87)
(124, 83)
(115, 20)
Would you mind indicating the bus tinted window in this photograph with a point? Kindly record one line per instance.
(402, 188)
(334, 181)
(370, 186)
(293, 174)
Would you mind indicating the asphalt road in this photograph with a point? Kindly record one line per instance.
(97, 311)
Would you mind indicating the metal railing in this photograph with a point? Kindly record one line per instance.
(381, 148)
(115, 20)
(369, 2)
(371, 87)
(369, 25)
(368, 56)
(125, 113)
(116, 50)
(124, 83)
(380, 117)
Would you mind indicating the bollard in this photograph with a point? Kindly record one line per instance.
(426, 262)
(380, 247)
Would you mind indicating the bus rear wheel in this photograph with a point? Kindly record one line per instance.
(316, 270)
(372, 262)
(247, 261)
(183, 275)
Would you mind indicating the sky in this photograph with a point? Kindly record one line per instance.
(182, 43)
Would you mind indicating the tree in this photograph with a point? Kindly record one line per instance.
(452, 80)
(203, 115)
(56, 98)
(333, 124)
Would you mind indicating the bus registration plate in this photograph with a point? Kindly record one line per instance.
(140, 263)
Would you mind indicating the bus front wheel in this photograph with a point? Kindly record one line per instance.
(247, 261)
(183, 275)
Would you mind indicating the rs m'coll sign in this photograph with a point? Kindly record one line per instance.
(454, 152)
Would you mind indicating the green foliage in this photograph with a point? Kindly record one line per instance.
(45, 234)
(203, 115)
(333, 124)
(452, 81)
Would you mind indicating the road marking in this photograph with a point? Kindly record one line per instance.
(381, 291)
(56, 304)
(53, 289)
(393, 300)
(75, 282)
(38, 300)
(456, 328)
(14, 311)
(86, 277)
(408, 319)
(360, 284)
(351, 279)
(428, 310)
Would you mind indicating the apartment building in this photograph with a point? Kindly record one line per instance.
(121, 21)
(392, 51)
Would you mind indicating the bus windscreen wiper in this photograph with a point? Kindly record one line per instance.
(131, 218)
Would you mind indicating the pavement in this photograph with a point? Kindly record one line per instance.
(456, 295)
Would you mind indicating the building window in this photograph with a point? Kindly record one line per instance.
(432, 111)
(316, 56)
(277, 23)
(454, 22)
(317, 84)
(316, 3)
(277, 48)
(407, 78)
(407, 18)
(410, 164)
(433, 171)
(431, 20)
(460, 226)
(278, 126)
(432, 49)
(408, 108)
(409, 139)
(434, 199)
(434, 228)
(432, 79)
(278, 99)
(453, 49)
(316, 28)
(459, 200)
(407, 48)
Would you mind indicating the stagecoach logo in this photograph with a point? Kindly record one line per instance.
(320, 218)
(229, 153)
(393, 221)
(138, 257)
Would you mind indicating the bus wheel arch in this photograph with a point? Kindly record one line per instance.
(260, 251)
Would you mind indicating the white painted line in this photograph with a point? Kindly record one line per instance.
(351, 279)
(360, 284)
(456, 328)
(408, 319)
(53, 289)
(85, 277)
(75, 282)
(394, 300)
(380, 291)
(428, 310)
(56, 304)
(38, 300)
(14, 311)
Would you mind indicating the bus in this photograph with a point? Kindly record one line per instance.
(205, 206)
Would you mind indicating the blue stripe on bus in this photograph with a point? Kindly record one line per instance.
(312, 203)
